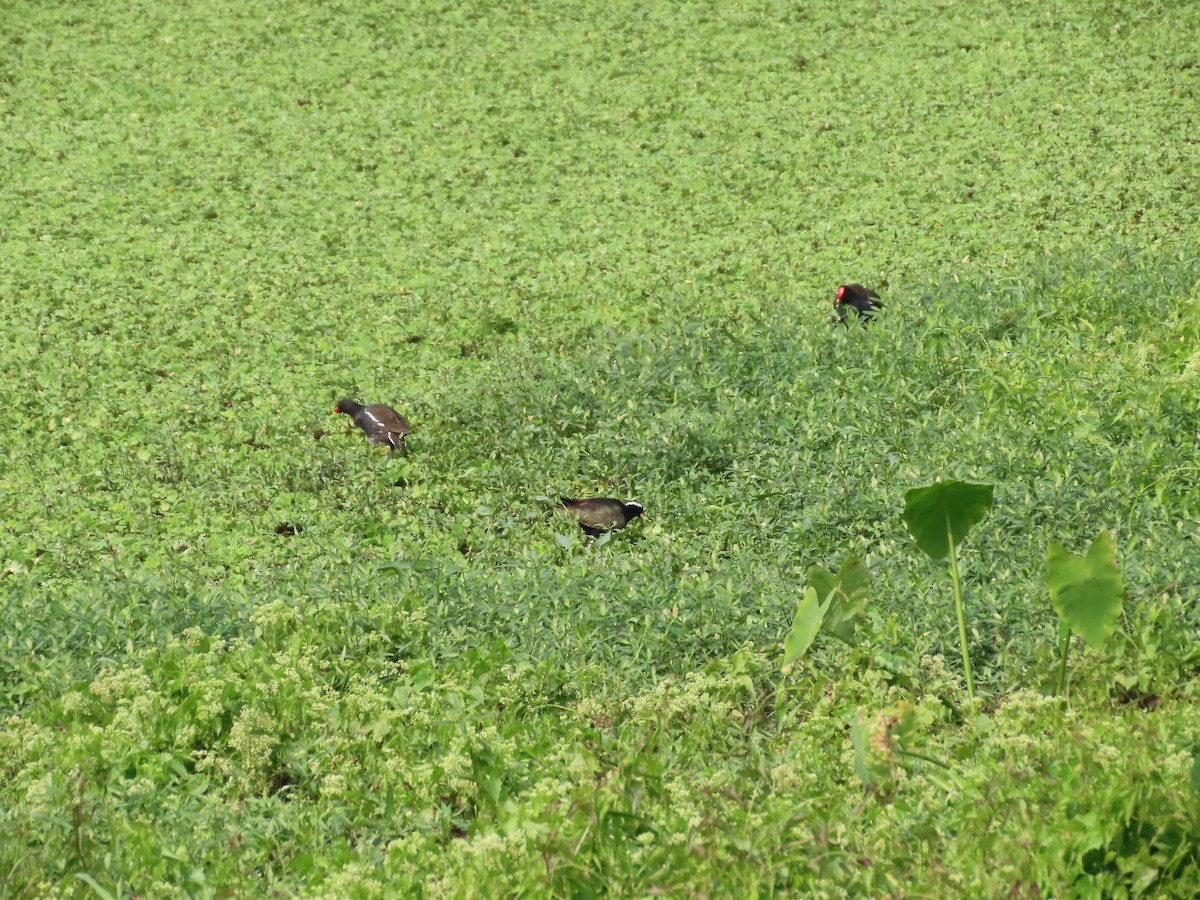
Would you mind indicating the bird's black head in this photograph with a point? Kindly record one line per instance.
(349, 407)
(633, 509)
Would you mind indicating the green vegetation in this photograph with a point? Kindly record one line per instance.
(592, 249)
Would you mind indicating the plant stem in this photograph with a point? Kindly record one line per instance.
(962, 614)
(1062, 666)
(921, 756)
(846, 641)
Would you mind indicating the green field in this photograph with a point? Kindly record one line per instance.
(592, 249)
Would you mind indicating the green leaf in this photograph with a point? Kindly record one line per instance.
(804, 627)
(564, 541)
(845, 592)
(302, 864)
(94, 885)
(1087, 591)
(944, 512)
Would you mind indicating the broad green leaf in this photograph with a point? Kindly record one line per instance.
(1087, 591)
(804, 627)
(845, 592)
(945, 511)
(94, 885)
(565, 541)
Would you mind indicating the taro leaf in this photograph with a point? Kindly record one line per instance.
(804, 627)
(954, 506)
(845, 591)
(1086, 591)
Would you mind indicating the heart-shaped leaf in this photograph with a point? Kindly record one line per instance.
(845, 591)
(804, 627)
(1086, 591)
(944, 512)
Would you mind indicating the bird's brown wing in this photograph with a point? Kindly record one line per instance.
(387, 419)
(597, 513)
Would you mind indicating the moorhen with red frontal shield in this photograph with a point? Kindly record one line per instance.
(596, 515)
(861, 299)
(381, 424)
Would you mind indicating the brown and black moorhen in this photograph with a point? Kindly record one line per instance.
(596, 515)
(381, 424)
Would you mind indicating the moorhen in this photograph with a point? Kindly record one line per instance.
(862, 299)
(597, 515)
(381, 424)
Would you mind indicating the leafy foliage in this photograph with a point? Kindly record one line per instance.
(832, 602)
(587, 249)
(876, 740)
(846, 593)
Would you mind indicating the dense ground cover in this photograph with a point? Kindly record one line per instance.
(591, 248)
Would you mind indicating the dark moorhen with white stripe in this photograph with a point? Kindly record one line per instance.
(596, 515)
(381, 424)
